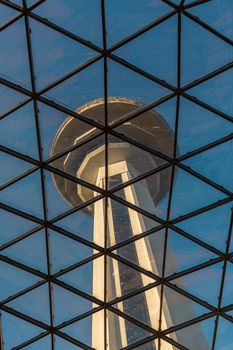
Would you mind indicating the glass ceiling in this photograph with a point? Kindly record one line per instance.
(140, 259)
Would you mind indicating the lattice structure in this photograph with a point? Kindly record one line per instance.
(174, 58)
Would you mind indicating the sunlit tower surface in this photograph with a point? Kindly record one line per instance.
(124, 163)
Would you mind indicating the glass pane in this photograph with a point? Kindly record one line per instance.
(122, 218)
(25, 330)
(160, 44)
(122, 280)
(85, 161)
(152, 193)
(18, 130)
(82, 17)
(217, 14)
(30, 251)
(183, 254)
(124, 82)
(12, 167)
(212, 162)
(14, 280)
(51, 123)
(81, 88)
(211, 227)
(144, 307)
(199, 127)
(9, 98)
(217, 92)
(34, 304)
(13, 47)
(196, 283)
(146, 252)
(62, 194)
(81, 223)
(82, 330)
(125, 18)
(188, 336)
(65, 251)
(55, 54)
(190, 194)
(204, 53)
(178, 309)
(153, 128)
(68, 305)
(28, 188)
(12, 226)
(81, 278)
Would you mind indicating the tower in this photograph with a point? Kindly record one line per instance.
(124, 162)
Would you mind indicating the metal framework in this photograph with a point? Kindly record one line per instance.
(174, 161)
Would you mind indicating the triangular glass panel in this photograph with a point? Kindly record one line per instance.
(123, 19)
(158, 45)
(55, 54)
(178, 309)
(13, 47)
(34, 304)
(227, 297)
(43, 343)
(123, 279)
(82, 278)
(82, 330)
(125, 83)
(216, 92)
(126, 161)
(18, 131)
(30, 251)
(28, 189)
(190, 194)
(215, 164)
(81, 88)
(197, 336)
(211, 226)
(12, 226)
(120, 227)
(62, 344)
(152, 192)
(65, 251)
(143, 307)
(153, 128)
(203, 54)
(196, 283)
(82, 17)
(7, 13)
(217, 14)
(63, 194)
(25, 330)
(12, 167)
(224, 340)
(9, 98)
(182, 254)
(51, 121)
(85, 162)
(81, 223)
(146, 252)
(68, 305)
(14, 280)
(199, 127)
